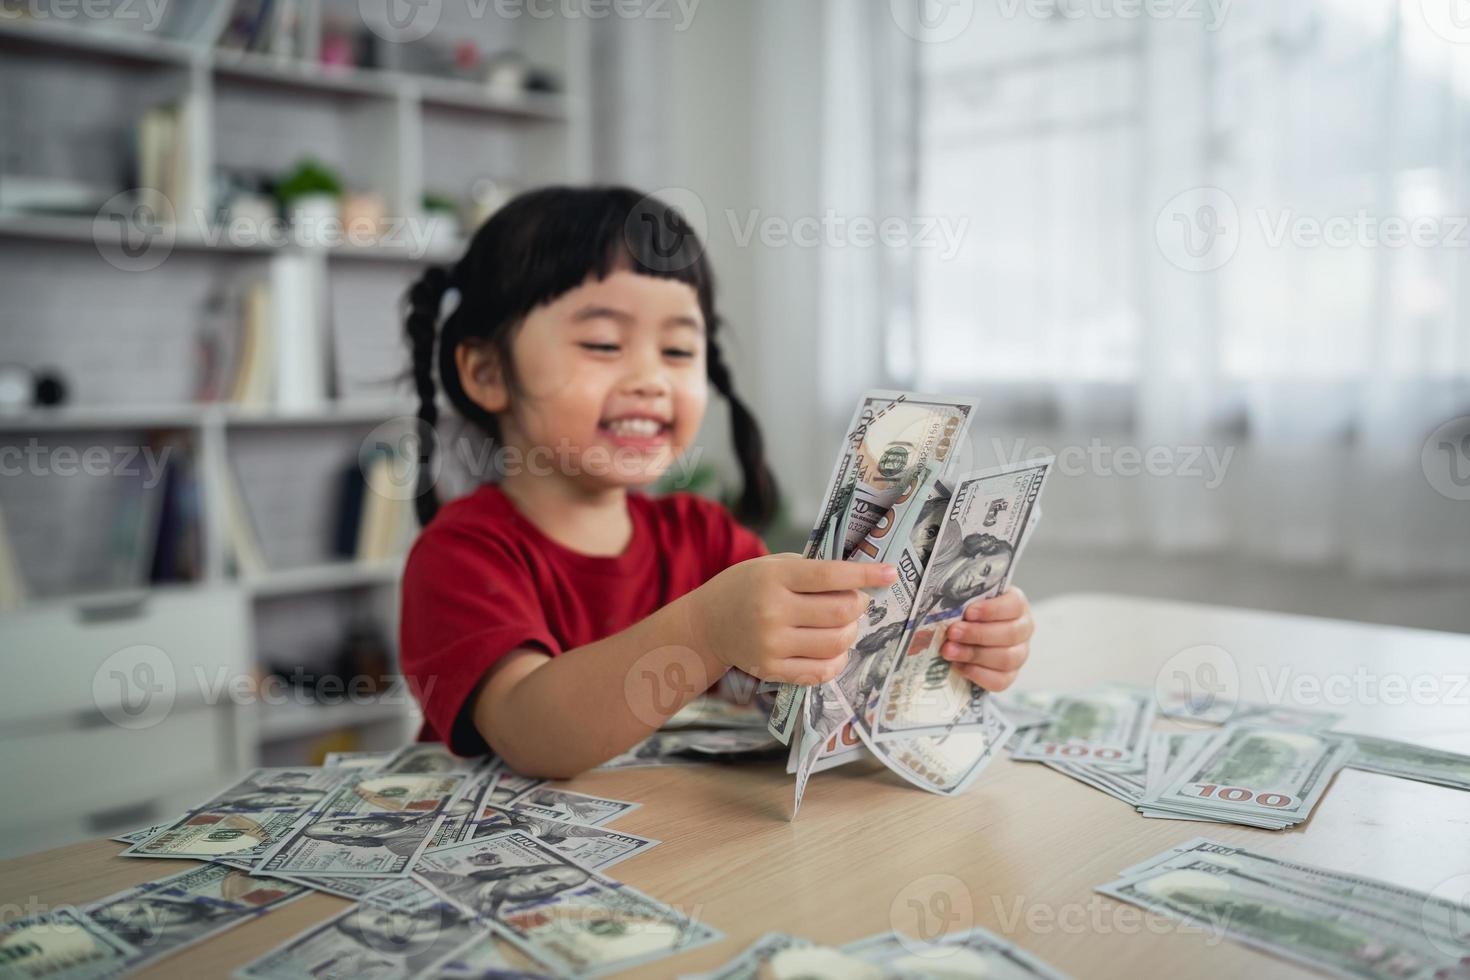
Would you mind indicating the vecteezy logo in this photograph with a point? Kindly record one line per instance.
(134, 230)
(1450, 19)
(1446, 459)
(1199, 683)
(1199, 229)
(135, 687)
(661, 680)
(672, 223)
(393, 455)
(932, 21)
(1445, 916)
(400, 21)
(929, 907)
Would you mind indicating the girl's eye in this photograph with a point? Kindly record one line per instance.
(678, 352)
(599, 348)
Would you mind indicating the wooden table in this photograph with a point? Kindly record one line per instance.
(1018, 854)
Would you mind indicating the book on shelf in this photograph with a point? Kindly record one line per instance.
(162, 153)
(242, 543)
(12, 585)
(177, 553)
(284, 28)
(195, 23)
(253, 367)
(374, 523)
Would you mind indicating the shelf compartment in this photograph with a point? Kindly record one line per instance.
(279, 723)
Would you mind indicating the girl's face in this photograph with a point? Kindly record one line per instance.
(612, 381)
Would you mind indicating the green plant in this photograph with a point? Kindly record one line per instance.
(440, 202)
(308, 177)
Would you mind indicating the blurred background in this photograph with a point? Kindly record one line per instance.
(1210, 253)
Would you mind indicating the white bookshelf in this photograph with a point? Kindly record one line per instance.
(386, 130)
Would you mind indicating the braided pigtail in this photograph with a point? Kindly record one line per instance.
(758, 497)
(422, 323)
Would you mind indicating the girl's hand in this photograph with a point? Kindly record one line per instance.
(993, 640)
(784, 617)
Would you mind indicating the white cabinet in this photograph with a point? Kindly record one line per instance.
(118, 712)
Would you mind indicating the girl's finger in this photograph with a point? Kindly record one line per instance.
(806, 670)
(1008, 605)
(816, 642)
(996, 658)
(812, 575)
(991, 680)
(1000, 634)
(828, 609)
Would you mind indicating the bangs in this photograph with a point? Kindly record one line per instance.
(547, 242)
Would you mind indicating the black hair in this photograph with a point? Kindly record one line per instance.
(536, 247)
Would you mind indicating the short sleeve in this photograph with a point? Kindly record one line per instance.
(467, 603)
(722, 540)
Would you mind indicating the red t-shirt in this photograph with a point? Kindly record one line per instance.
(482, 580)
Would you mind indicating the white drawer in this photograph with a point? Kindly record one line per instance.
(91, 768)
(67, 664)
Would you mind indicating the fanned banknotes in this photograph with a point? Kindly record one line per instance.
(897, 693)
(892, 437)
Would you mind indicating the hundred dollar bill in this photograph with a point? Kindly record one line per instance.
(1414, 909)
(1411, 761)
(976, 952)
(846, 700)
(569, 917)
(246, 820)
(142, 834)
(489, 958)
(818, 963)
(687, 747)
(1260, 776)
(459, 817)
(983, 531)
(562, 804)
(844, 746)
(589, 846)
(62, 944)
(883, 540)
(372, 827)
(352, 889)
(747, 966)
(1165, 750)
(390, 935)
(711, 712)
(162, 917)
(1298, 924)
(823, 715)
(891, 437)
(946, 764)
(430, 757)
(356, 760)
(1106, 726)
(509, 785)
(1181, 702)
(658, 749)
(1127, 785)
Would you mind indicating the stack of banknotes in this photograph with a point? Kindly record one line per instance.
(1331, 921)
(898, 494)
(456, 868)
(972, 953)
(1262, 766)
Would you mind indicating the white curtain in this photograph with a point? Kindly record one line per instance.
(1138, 274)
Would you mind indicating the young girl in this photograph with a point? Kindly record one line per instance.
(553, 616)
